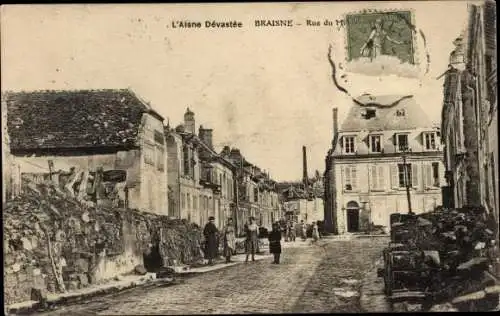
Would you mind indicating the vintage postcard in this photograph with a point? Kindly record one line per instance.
(249, 158)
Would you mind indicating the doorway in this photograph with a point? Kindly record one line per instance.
(352, 217)
(153, 261)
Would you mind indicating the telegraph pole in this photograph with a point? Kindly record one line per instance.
(407, 180)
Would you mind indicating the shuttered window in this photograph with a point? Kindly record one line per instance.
(431, 175)
(350, 178)
(377, 178)
(415, 175)
(402, 179)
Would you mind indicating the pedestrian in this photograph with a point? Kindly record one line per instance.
(211, 240)
(229, 235)
(304, 230)
(287, 231)
(293, 231)
(275, 243)
(252, 239)
(315, 232)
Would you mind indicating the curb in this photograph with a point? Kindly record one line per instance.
(71, 298)
(34, 306)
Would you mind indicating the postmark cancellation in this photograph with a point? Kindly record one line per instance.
(382, 43)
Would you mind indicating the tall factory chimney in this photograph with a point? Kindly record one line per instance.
(305, 178)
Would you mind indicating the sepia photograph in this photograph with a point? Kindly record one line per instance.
(250, 158)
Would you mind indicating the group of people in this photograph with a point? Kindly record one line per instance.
(290, 231)
(228, 234)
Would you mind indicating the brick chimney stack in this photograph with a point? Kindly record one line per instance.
(205, 135)
(335, 127)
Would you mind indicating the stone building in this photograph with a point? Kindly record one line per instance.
(303, 204)
(75, 135)
(217, 174)
(256, 193)
(200, 180)
(469, 115)
(369, 179)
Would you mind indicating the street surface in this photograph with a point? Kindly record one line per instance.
(325, 277)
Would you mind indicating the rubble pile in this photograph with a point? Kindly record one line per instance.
(55, 243)
(178, 240)
(456, 247)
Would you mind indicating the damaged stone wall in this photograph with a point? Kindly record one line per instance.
(56, 243)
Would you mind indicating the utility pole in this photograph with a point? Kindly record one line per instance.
(407, 180)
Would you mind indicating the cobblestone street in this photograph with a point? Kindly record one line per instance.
(321, 278)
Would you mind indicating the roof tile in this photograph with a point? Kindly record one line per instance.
(73, 119)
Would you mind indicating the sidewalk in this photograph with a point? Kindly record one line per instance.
(123, 283)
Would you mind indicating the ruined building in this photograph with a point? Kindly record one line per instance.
(469, 115)
(101, 146)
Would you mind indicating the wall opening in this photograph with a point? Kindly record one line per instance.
(153, 261)
(352, 217)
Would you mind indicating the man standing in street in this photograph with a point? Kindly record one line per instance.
(211, 240)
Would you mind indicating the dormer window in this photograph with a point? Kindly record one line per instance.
(368, 113)
(401, 142)
(375, 143)
(349, 144)
(430, 140)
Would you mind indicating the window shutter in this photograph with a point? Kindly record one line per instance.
(415, 175)
(427, 175)
(381, 182)
(373, 177)
(354, 182)
(342, 177)
(394, 176)
(430, 180)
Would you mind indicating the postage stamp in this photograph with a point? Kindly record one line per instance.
(381, 38)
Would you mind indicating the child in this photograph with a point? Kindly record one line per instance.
(275, 243)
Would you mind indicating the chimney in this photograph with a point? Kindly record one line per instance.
(335, 122)
(205, 135)
(189, 123)
(304, 166)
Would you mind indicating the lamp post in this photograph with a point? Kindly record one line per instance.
(404, 153)
(369, 216)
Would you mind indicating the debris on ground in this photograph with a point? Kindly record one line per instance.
(444, 254)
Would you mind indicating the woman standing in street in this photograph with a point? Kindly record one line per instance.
(303, 227)
(275, 243)
(229, 234)
(252, 239)
(315, 232)
(211, 240)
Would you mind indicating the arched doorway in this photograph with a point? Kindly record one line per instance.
(352, 212)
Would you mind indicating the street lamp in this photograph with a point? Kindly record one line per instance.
(404, 152)
(369, 216)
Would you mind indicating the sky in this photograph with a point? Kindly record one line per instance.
(267, 91)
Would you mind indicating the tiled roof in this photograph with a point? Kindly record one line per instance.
(385, 117)
(73, 119)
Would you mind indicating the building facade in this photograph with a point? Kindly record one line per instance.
(256, 193)
(73, 137)
(469, 116)
(385, 144)
(200, 180)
